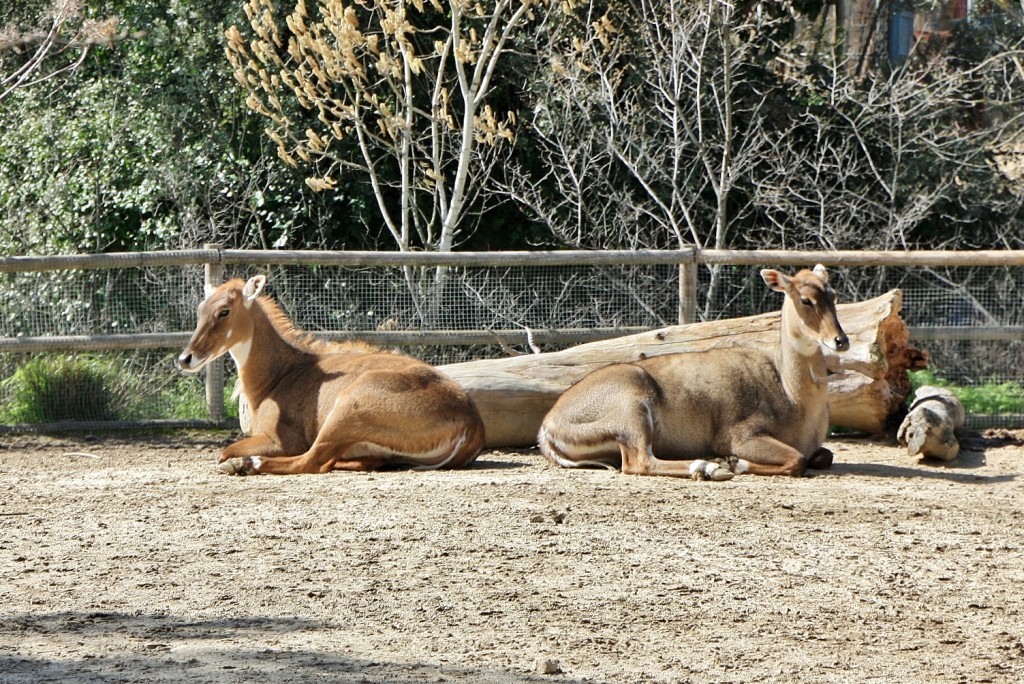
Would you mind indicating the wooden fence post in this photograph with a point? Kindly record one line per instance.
(213, 276)
(688, 292)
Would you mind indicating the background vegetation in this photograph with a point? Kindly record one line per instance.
(990, 398)
(618, 123)
(51, 388)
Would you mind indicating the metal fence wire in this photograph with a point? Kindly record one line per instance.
(443, 315)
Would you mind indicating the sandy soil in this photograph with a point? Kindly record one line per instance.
(131, 559)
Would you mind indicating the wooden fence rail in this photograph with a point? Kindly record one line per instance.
(212, 255)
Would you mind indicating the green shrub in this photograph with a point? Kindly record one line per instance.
(65, 387)
(989, 398)
(186, 400)
(91, 387)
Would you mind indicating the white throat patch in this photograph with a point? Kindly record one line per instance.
(803, 345)
(240, 353)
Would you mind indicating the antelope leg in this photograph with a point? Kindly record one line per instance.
(768, 456)
(256, 445)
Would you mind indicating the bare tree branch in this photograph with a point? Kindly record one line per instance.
(60, 47)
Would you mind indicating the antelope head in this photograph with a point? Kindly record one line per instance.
(809, 311)
(223, 323)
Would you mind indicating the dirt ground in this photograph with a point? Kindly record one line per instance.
(129, 558)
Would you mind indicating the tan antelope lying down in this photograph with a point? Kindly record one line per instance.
(714, 413)
(318, 406)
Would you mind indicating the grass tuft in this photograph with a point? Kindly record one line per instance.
(87, 387)
(65, 387)
(989, 398)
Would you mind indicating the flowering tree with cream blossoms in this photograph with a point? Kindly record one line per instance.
(394, 91)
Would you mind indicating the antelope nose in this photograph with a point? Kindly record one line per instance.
(184, 361)
(842, 343)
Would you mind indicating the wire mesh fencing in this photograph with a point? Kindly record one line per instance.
(446, 314)
(968, 318)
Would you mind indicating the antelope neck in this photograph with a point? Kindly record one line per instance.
(262, 359)
(800, 361)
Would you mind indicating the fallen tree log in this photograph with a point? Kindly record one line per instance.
(867, 384)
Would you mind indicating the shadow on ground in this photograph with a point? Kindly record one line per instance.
(162, 648)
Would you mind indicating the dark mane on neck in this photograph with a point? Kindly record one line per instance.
(301, 340)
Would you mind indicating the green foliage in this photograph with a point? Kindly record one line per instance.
(989, 398)
(185, 399)
(149, 145)
(65, 387)
(90, 387)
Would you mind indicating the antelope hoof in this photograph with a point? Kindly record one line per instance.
(710, 470)
(239, 466)
(820, 459)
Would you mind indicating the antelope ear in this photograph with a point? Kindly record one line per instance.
(252, 288)
(821, 272)
(776, 280)
(208, 290)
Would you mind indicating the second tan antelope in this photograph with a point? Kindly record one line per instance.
(711, 414)
(317, 406)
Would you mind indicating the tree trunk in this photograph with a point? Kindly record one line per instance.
(867, 384)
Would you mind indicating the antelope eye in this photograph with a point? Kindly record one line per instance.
(223, 313)
(806, 302)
